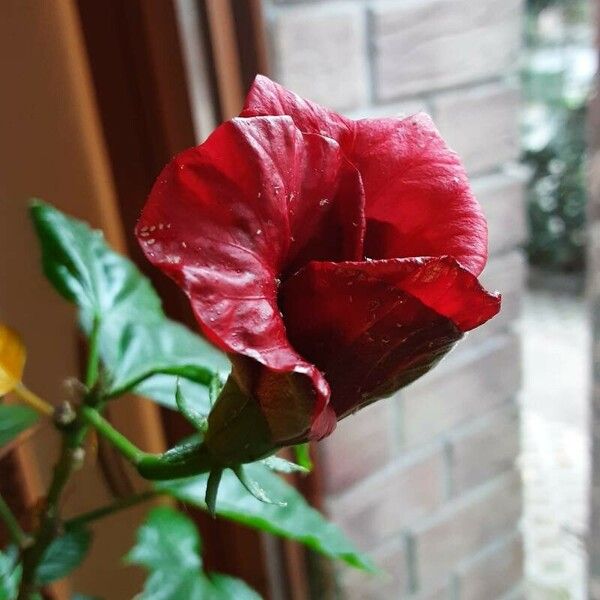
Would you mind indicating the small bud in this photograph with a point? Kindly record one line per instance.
(64, 415)
(78, 458)
(74, 388)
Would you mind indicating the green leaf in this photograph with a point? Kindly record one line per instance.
(168, 546)
(64, 555)
(10, 574)
(281, 465)
(84, 597)
(14, 419)
(161, 388)
(296, 521)
(136, 339)
(226, 587)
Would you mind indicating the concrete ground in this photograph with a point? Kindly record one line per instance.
(555, 457)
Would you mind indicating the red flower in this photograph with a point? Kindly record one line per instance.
(336, 261)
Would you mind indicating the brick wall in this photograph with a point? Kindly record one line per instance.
(427, 481)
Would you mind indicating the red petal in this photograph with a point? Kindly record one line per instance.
(220, 220)
(419, 202)
(418, 199)
(374, 327)
(266, 97)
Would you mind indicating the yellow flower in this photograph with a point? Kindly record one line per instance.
(12, 359)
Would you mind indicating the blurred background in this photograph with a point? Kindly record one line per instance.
(482, 480)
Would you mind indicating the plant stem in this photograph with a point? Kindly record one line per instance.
(184, 461)
(14, 529)
(110, 509)
(91, 373)
(70, 459)
(33, 400)
(129, 450)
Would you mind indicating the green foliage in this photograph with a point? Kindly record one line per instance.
(136, 339)
(296, 520)
(14, 419)
(10, 574)
(143, 351)
(557, 196)
(556, 80)
(64, 555)
(168, 546)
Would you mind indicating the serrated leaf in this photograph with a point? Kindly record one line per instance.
(136, 339)
(226, 587)
(10, 574)
(14, 419)
(281, 465)
(168, 546)
(64, 555)
(161, 389)
(12, 359)
(297, 521)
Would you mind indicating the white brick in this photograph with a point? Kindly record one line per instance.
(484, 449)
(494, 573)
(481, 124)
(465, 527)
(422, 45)
(392, 582)
(506, 274)
(466, 385)
(320, 53)
(502, 198)
(395, 497)
(371, 430)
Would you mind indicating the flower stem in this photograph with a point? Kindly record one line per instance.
(33, 400)
(129, 450)
(14, 529)
(185, 461)
(110, 509)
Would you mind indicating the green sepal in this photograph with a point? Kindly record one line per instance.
(254, 487)
(195, 418)
(302, 452)
(281, 465)
(212, 489)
